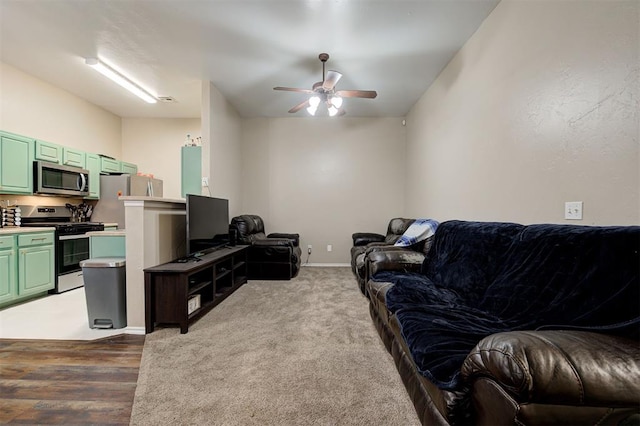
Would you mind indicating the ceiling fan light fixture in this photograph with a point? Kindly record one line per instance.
(120, 79)
(314, 101)
(324, 92)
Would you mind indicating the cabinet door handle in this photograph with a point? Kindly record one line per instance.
(38, 239)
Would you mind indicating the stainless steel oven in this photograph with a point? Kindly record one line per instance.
(71, 242)
(70, 251)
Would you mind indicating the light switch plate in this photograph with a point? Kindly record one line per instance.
(573, 210)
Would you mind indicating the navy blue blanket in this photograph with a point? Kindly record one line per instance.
(484, 278)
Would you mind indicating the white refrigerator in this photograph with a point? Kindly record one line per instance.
(109, 209)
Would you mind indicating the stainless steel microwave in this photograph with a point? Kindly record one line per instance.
(55, 179)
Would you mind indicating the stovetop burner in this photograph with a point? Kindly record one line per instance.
(58, 217)
(69, 228)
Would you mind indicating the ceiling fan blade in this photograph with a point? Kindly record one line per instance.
(370, 94)
(298, 107)
(331, 80)
(293, 89)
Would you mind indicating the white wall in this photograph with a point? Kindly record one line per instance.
(539, 107)
(33, 108)
(221, 147)
(324, 178)
(154, 145)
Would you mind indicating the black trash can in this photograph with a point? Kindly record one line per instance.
(106, 291)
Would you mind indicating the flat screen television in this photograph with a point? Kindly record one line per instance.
(207, 223)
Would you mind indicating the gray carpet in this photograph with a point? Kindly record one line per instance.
(300, 352)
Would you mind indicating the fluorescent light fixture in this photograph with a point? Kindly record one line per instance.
(123, 81)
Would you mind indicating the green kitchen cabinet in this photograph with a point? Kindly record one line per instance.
(132, 169)
(109, 165)
(8, 286)
(74, 157)
(191, 166)
(36, 263)
(106, 246)
(27, 265)
(47, 151)
(93, 165)
(16, 159)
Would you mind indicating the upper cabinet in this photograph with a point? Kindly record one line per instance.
(17, 154)
(74, 157)
(191, 166)
(93, 165)
(109, 165)
(16, 164)
(132, 169)
(47, 151)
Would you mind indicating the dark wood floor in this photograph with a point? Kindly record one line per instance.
(69, 382)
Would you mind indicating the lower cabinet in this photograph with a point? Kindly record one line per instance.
(27, 269)
(8, 288)
(107, 246)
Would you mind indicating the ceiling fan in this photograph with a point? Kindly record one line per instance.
(324, 92)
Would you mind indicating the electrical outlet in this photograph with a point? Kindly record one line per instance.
(205, 181)
(309, 247)
(573, 210)
(329, 247)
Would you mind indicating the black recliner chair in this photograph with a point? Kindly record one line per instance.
(275, 256)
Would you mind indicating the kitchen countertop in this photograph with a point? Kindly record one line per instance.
(115, 233)
(19, 230)
(155, 199)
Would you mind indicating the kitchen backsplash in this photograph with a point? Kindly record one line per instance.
(39, 200)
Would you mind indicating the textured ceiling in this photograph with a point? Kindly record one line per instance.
(244, 47)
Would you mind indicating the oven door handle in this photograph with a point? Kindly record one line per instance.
(72, 237)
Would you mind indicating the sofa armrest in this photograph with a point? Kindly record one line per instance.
(560, 367)
(294, 237)
(273, 242)
(392, 259)
(364, 238)
(378, 295)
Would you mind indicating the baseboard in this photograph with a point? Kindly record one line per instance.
(328, 265)
(134, 330)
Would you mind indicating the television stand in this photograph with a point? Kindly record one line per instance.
(180, 292)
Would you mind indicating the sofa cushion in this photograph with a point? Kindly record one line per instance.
(464, 256)
(568, 275)
(440, 337)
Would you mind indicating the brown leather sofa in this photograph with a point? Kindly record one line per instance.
(575, 360)
(363, 241)
(276, 256)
